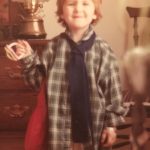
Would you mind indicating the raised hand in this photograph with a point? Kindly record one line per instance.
(18, 50)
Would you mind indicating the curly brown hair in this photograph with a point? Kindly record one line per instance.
(59, 11)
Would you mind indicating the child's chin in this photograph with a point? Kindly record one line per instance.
(79, 26)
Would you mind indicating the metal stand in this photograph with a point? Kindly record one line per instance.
(135, 13)
(136, 36)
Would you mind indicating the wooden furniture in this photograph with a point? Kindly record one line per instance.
(17, 100)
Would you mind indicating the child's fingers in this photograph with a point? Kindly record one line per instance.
(18, 47)
(21, 50)
(108, 138)
(11, 51)
(11, 55)
(103, 137)
(109, 142)
(25, 43)
(21, 43)
(16, 44)
(28, 47)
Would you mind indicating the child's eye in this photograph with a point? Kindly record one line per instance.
(85, 3)
(71, 4)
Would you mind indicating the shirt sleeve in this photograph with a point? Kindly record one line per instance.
(35, 67)
(111, 87)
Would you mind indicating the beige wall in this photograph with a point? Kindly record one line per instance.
(127, 23)
(113, 27)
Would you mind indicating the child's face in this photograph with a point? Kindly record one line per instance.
(78, 14)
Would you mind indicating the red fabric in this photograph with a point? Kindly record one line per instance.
(35, 138)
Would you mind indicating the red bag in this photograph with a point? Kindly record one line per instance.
(36, 134)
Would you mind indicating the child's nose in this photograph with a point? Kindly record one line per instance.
(78, 7)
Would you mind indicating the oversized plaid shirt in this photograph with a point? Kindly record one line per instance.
(105, 91)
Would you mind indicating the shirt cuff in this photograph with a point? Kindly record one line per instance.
(119, 110)
(113, 120)
(29, 59)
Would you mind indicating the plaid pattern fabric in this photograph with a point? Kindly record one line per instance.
(105, 92)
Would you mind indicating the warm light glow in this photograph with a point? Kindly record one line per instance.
(19, 1)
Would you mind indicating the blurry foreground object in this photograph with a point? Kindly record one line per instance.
(136, 65)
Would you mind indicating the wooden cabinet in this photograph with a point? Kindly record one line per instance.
(17, 100)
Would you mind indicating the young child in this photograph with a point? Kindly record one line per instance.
(83, 87)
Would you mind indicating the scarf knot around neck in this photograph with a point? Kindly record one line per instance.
(79, 89)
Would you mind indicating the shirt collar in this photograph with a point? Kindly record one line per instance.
(86, 35)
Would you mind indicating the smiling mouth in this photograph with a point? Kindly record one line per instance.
(77, 16)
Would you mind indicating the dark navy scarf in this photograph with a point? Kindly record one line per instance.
(79, 89)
